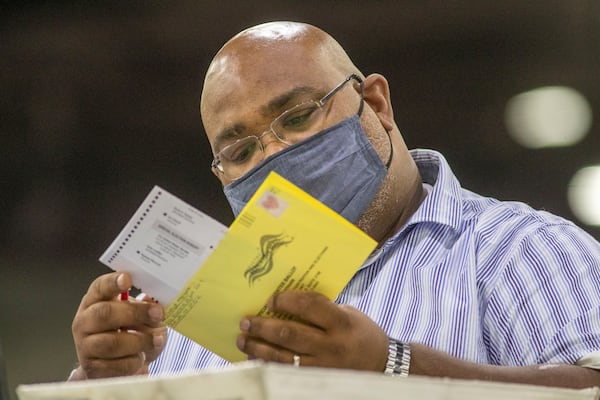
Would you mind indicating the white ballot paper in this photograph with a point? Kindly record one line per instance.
(163, 244)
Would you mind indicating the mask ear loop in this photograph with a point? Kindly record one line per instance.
(389, 161)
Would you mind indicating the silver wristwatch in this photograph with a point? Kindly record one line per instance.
(398, 361)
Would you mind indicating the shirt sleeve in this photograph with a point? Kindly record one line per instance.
(545, 307)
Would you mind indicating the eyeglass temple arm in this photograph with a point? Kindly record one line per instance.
(338, 87)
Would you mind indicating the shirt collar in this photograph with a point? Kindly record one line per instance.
(443, 203)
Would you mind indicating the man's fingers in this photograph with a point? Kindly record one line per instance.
(112, 315)
(120, 352)
(310, 307)
(295, 336)
(322, 334)
(106, 287)
(116, 345)
(107, 368)
(264, 351)
(159, 339)
(113, 337)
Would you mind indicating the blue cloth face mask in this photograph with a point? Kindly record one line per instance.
(338, 166)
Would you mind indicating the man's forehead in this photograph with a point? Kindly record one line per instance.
(261, 81)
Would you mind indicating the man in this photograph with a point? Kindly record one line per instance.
(461, 285)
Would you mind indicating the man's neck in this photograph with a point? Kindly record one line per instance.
(418, 197)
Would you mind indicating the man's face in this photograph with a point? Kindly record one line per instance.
(244, 99)
(251, 83)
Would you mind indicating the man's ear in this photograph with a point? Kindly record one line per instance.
(376, 92)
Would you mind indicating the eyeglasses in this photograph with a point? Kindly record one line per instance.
(292, 126)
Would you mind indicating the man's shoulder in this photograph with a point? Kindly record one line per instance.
(493, 216)
(448, 202)
(486, 220)
(507, 230)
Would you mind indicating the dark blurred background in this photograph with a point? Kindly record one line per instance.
(99, 102)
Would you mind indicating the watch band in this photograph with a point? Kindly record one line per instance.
(398, 361)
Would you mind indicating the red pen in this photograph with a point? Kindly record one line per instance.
(124, 297)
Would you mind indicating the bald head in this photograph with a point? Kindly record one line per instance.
(283, 36)
(271, 54)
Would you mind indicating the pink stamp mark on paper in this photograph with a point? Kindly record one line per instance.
(273, 204)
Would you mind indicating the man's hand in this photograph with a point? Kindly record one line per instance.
(329, 335)
(113, 337)
(322, 333)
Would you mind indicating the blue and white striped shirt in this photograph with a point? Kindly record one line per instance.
(483, 280)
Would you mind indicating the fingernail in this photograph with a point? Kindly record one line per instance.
(158, 341)
(241, 342)
(121, 282)
(156, 313)
(245, 325)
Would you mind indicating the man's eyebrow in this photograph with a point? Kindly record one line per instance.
(275, 107)
(290, 99)
(227, 135)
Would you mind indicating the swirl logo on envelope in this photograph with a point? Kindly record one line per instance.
(268, 245)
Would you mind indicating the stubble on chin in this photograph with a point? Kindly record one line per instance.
(379, 218)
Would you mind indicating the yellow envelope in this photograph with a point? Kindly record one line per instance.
(283, 239)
